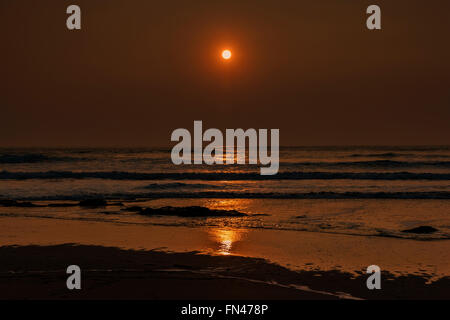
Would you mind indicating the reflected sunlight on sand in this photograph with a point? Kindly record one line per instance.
(225, 239)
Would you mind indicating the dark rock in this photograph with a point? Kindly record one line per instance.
(93, 203)
(194, 211)
(14, 203)
(421, 230)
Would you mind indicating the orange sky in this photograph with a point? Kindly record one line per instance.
(140, 69)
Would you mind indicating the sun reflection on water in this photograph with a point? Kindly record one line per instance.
(225, 239)
(229, 204)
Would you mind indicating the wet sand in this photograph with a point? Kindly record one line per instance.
(39, 272)
(295, 250)
(129, 261)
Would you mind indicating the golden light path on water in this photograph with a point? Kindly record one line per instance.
(225, 238)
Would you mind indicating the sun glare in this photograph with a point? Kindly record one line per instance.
(226, 54)
(225, 239)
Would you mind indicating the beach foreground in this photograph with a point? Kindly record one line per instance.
(39, 272)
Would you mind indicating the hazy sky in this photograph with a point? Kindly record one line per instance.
(139, 69)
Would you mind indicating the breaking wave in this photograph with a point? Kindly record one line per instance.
(178, 185)
(216, 176)
(374, 164)
(443, 195)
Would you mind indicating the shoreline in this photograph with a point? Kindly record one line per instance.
(39, 272)
(295, 250)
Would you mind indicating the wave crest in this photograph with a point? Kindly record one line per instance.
(215, 176)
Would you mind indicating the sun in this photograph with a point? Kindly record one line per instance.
(226, 54)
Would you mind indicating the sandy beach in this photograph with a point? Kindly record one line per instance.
(34, 272)
(174, 263)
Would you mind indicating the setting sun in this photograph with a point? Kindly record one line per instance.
(226, 54)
